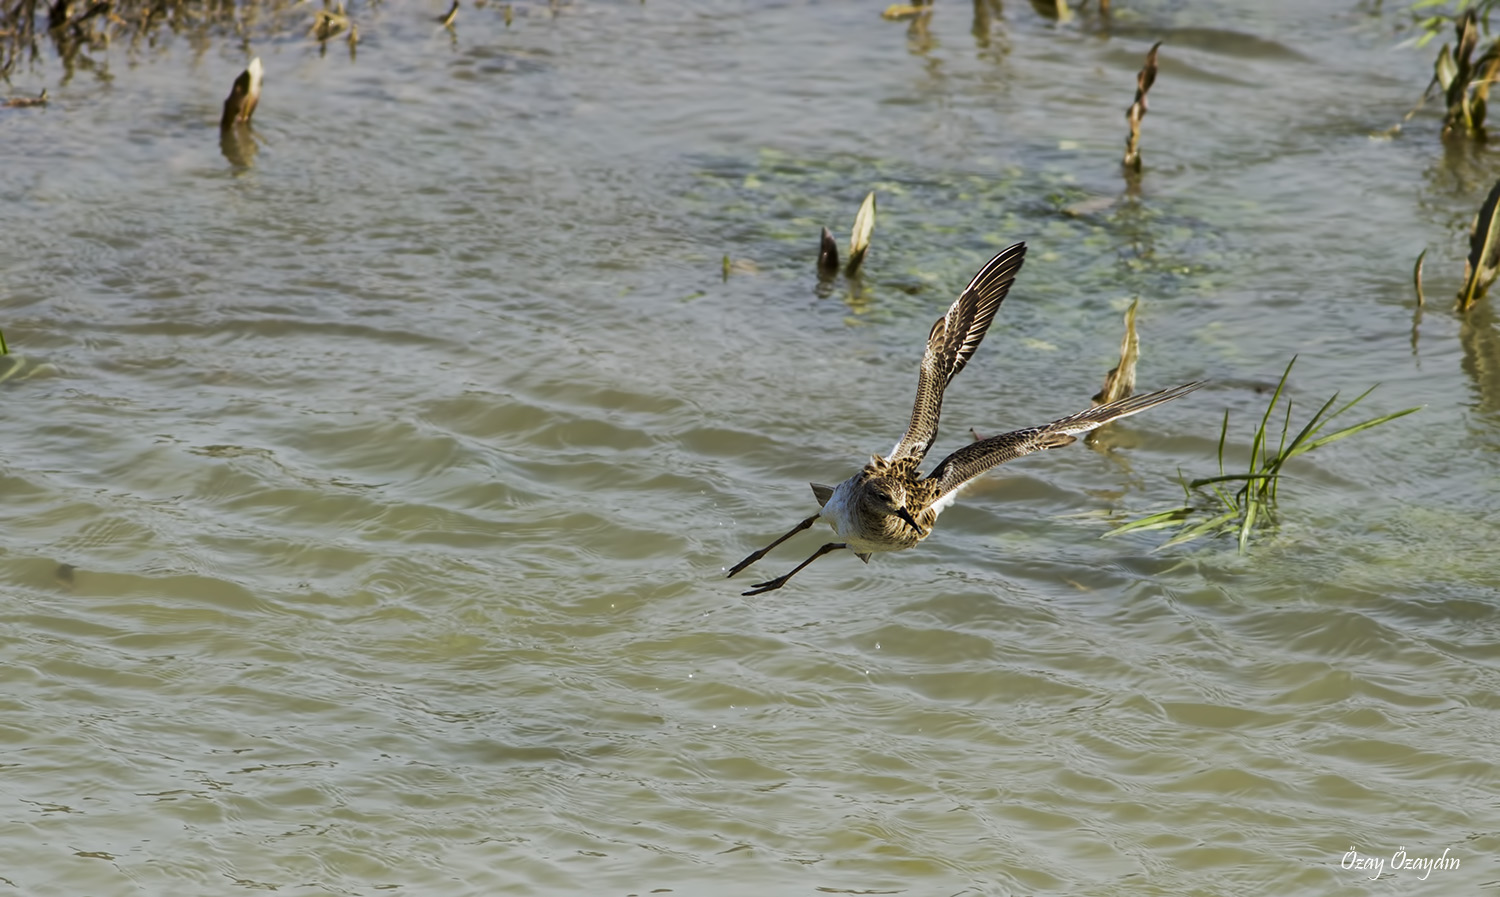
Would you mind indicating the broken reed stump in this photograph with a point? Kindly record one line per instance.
(859, 237)
(243, 97)
(1416, 277)
(1119, 383)
(236, 141)
(828, 254)
(1484, 251)
(25, 102)
(328, 23)
(859, 242)
(1137, 111)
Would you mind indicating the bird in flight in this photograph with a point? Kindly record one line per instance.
(889, 505)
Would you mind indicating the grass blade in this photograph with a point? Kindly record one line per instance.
(1350, 431)
(1233, 477)
(1199, 530)
(1416, 276)
(1314, 424)
(1152, 521)
(1251, 508)
(1257, 446)
(1223, 434)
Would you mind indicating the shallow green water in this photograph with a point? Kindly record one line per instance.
(366, 515)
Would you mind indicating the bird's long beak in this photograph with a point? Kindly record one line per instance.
(911, 521)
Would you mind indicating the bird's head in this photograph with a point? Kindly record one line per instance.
(886, 497)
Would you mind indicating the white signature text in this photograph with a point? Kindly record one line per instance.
(1399, 860)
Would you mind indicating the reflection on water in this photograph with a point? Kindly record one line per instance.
(368, 501)
(237, 143)
(1481, 345)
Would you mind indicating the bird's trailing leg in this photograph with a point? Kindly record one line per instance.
(771, 585)
(757, 555)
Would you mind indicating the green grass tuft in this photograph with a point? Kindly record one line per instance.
(1211, 510)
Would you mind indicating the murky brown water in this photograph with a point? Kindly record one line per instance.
(365, 519)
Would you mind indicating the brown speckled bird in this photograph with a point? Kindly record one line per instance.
(889, 505)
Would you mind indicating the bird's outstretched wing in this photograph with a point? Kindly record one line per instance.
(951, 343)
(978, 457)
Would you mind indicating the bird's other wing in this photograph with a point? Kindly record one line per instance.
(978, 457)
(951, 344)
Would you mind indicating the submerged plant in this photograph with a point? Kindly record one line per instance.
(1137, 111)
(16, 367)
(1211, 510)
(898, 12)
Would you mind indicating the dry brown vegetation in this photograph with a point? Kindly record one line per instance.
(81, 30)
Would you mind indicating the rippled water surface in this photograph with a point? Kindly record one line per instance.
(366, 506)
